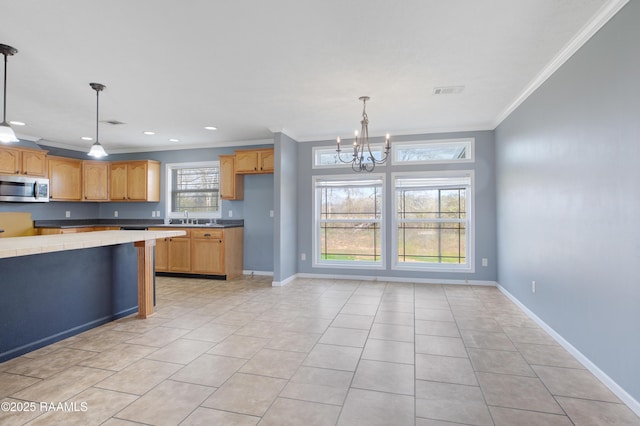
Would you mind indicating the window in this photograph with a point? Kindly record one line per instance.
(435, 151)
(433, 221)
(193, 188)
(327, 157)
(348, 221)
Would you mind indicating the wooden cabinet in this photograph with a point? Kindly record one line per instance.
(231, 183)
(207, 247)
(95, 181)
(135, 181)
(65, 179)
(173, 254)
(75, 230)
(254, 161)
(23, 161)
(162, 253)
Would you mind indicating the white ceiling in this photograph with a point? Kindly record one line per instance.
(252, 67)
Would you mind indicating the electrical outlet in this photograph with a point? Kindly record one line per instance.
(485, 261)
(270, 213)
(153, 213)
(115, 213)
(67, 214)
(303, 256)
(230, 213)
(157, 213)
(533, 286)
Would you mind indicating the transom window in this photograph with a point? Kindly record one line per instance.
(193, 189)
(433, 220)
(348, 221)
(434, 151)
(327, 157)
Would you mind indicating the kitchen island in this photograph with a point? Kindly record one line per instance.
(56, 286)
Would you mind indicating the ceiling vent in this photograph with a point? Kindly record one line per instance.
(448, 90)
(114, 122)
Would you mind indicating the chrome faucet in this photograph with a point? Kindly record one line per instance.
(186, 213)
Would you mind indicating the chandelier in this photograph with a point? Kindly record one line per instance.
(358, 162)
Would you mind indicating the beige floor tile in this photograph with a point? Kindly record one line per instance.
(552, 356)
(239, 346)
(445, 369)
(395, 318)
(118, 357)
(158, 337)
(209, 370)
(482, 324)
(509, 417)
(291, 412)
(272, 363)
(525, 393)
(433, 314)
(102, 341)
(167, 404)
(47, 366)
(90, 407)
(345, 337)
(440, 345)
(362, 322)
(63, 385)
(529, 335)
(400, 333)
(437, 328)
(207, 417)
(596, 413)
(315, 393)
(450, 402)
(259, 329)
(12, 383)
(233, 318)
(384, 377)
(430, 422)
(181, 351)
(211, 332)
(574, 383)
(503, 362)
(307, 325)
(359, 309)
(19, 416)
(323, 376)
(393, 305)
(389, 350)
(334, 357)
(487, 340)
(139, 377)
(294, 342)
(119, 422)
(370, 408)
(246, 394)
(134, 324)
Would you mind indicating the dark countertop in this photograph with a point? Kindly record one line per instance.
(135, 223)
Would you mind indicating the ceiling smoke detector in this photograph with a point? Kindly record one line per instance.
(448, 90)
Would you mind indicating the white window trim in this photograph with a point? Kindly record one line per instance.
(469, 267)
(350, 264)
(444, 142)
(347, 153)
(167, 174)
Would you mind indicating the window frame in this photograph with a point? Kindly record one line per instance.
(317, 238)
(469, 266)
(347, 153)
(169, 167)
(434, 142)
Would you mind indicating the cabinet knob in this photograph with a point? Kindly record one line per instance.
(207, 235)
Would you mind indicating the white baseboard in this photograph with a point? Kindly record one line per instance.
(284, 282)
(262, 273)
(631, 402)
(398, 279)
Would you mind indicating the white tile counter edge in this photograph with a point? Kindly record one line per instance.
(23, 246)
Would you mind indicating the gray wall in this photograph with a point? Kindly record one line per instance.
(485, 223)
(568, 200)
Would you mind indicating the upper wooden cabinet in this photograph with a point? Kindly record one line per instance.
(254, 161)
(231, 183)
(95, 181)
(65, 179)
(135, 181)
(23, 161)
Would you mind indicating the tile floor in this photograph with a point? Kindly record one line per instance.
(315, 352)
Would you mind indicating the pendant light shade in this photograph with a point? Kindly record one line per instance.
(6, 132)
(96, 149)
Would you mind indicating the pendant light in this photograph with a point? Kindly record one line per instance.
(96, 149)
(6, 132)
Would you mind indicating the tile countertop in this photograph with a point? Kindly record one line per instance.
(137, 223)
(23, 246)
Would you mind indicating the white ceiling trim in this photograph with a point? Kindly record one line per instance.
(602, 17)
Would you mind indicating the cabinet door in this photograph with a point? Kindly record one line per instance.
(137, 181)
(34, 163)
(231, 184)
(65, 177)
(246, 161)
(265, 159)
(162, 255)
(10, 161)
(208, 256)
(95, 181)
(118, 182)
(179, 257)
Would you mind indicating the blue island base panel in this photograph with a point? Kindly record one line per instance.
(48, 297)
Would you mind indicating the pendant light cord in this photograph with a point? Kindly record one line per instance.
(4, 107)
(97, 112)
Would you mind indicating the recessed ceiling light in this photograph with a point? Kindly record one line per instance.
(86, 138)
(174, 140)
(149, 133)
(18, 123)
(211, 128)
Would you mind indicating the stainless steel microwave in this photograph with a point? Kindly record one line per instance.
(24, 189)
